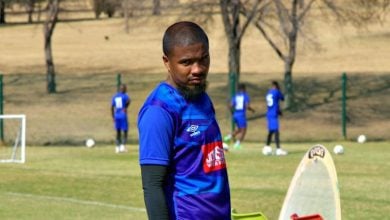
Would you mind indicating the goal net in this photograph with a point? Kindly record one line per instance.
(12, 138)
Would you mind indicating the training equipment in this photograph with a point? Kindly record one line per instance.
(13, 143)
(248, 216)
(338, 149)
(361, 139)
(314, 187)
(89, 143)
(306, 217)
(267, 150)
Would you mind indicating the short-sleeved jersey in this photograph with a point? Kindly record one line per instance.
(184, 136)
(240, 102)
(272, 98)
(119, 102)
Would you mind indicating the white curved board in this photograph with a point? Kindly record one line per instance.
(314, 187)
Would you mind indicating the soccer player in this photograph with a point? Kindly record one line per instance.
(182, 161)
(119, 104)
(238, 106)
(274, 95)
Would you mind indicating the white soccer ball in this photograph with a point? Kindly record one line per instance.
(267, 150)
(338, 149)
(225, 146)
(89, 143)
(361, 139)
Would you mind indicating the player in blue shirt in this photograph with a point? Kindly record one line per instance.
(119, 104)
(238, 106)
(182, 161)
(274, 95)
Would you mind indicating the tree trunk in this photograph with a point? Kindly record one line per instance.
(289, 87)
(125, 6)
(50, 71)
(234, 64)
(2, 12)
(39, 12)
(230, 16)
(156, 7)
(30, 10)
(50, 23)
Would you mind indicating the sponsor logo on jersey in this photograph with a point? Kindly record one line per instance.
(193, 129)
(213, 157)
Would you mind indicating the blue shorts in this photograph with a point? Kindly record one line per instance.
(240, 120)
(273, 123)
(121, 124)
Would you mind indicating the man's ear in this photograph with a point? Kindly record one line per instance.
(166, 62)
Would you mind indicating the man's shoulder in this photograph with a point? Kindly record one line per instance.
(163, 91)
(164, 96)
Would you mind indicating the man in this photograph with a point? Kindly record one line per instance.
(182, 160)
(238, 106)
(274, 95)
(119, 104)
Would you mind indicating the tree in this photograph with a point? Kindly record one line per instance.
(48, 29)
(107, 6)
(235, 30)
(156, 7)
(290, 19)
(2, 11)
(280, 22)
(235, 26)
(30, 9)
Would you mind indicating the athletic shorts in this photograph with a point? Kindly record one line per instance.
(121, 124)
(273, 123)
(240, 120)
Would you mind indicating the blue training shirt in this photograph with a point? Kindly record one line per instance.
(184, 136)
(272, 98)
(119, 101)
(240, 102)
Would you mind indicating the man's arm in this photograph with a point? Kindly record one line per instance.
(155, 149)
(153, 177)
(112, 111)
(128, 101)
(249, 107)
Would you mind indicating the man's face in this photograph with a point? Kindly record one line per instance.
(188, 67)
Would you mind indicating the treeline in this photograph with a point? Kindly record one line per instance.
(110, 8)
(283, 24)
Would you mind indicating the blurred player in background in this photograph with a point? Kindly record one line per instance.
(238, 106)
(274, 95)
(182, 161)
(119, 104)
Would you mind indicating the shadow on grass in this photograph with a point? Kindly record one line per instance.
(325, 92)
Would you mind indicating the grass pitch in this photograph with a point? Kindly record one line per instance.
(81, 183)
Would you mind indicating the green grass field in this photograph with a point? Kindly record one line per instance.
(81, 183)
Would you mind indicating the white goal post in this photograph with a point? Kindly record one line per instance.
(13, 146)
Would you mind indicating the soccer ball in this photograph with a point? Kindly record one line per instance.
(361, 139)
(225, 146)
(267, 150)
(338, 149)
(89, 143)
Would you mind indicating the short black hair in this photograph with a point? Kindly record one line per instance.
(183, 33)
(241, 87)
(276, 84)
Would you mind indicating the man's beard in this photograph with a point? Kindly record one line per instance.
(194, 92)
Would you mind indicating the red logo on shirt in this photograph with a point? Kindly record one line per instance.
(213, 157)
